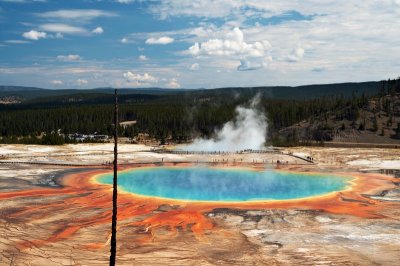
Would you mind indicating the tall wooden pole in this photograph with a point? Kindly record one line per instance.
(113, 249)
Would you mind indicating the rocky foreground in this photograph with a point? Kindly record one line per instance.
(52, 215)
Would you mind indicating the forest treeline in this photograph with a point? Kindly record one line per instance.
(175, 118)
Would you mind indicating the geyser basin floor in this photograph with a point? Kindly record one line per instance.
(71, 224)
(225, 185)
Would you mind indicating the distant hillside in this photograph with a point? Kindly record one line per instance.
(310, 91)
(18, 88)
(37, 95)
(32, 92)
(375, 120)
(28, 93)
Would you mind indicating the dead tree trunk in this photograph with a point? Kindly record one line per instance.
(113, 249)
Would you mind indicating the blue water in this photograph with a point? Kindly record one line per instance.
(207, 184)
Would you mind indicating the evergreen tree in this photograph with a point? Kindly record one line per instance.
(397, 134)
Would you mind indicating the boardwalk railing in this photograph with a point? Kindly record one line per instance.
(183, 152)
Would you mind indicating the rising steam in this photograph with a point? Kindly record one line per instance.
(246, 131)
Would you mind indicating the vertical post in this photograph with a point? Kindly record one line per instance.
(113, 249)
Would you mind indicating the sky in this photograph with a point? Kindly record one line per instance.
(197, 43)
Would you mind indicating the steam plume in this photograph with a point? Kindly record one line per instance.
(246, 131)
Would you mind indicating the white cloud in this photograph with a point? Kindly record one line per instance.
(194, 67)
(234, 9)
(69, 58)
(56, 82)
(232, 44)
(143, 58)
(62, 28)
(82, 82)
(246, 65)
(242, 8)
(80, 14)
(98, 30)
(34, 35)
(162, 40)
(124, 40)
(296, 55)
(125, 1)
(134, 79)
(199, 8)
(173, 84)
(16, 41)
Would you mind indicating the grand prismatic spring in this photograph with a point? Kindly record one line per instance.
(207, 184)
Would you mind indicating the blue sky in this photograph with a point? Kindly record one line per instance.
(197, 43)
